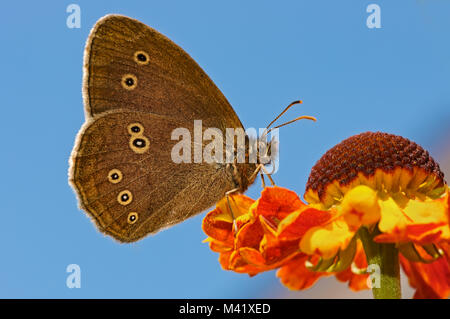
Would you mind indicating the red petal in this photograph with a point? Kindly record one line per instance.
(432, 281)
(239, 264)
(250, 235)
(216, 228)
(296, 276)
(276, 203)
(356, 282)
(224, 260)
(299, 222)
(218, 223)
(219, 247)
(421, 234)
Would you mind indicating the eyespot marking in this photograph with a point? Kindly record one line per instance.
(125, 197)
(135, 129)
(139, 144)
(129, 81)
(115, 176)
(141, 57)
(132, 218)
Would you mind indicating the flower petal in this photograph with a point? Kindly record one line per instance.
(430, 280)
(241, 264)
(218, 223)
(218, 229)
(224, 260)
(328, 239)
(219, 247)
(360, 206)
(252, 256)
(274, 250)
(296, 224)
(276, 203)
(420, 221)
(296, 276)
(250, 235)
(356, 282)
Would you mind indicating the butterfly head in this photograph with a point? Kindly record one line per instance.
(260, 153)
(257, 153)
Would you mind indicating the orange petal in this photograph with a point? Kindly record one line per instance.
(432, 281)
(295, 225)
(241, 265)
(252, 256)
(277, 255)
(219, 247)
(296, 276)
(250, 235)
(445, 246)
(421, 221)
(240, 205)
(224, 260)
(419, 234)
(276, 203)
(356, 282)
(218, 223)
(218, 228)
(274, 250)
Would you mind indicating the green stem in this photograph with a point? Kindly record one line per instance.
(384, 257)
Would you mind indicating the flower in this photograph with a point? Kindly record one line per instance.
(370, 192)
(268, 236)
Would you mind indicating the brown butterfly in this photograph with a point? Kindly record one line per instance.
(139, 86)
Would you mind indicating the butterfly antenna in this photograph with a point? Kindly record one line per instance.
(303, 117)
(281, 114)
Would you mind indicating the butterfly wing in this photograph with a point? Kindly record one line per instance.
(126, 180)
(128, 65)
(137, 87)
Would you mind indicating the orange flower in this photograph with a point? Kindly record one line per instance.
(268, 236)
(373, 190)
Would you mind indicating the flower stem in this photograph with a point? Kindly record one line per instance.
(382, 258)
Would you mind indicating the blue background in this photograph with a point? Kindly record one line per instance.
(262, 56)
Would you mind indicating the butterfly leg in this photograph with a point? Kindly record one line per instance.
(227, 194)
(263, 182)
(268, 174)
(255, 172)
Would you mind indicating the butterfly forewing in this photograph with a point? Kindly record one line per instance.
(166, 80)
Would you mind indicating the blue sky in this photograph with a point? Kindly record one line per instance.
(262, 56)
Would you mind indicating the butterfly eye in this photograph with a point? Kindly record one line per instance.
(129, 81)
(135, 129)
(115, 176)
(125, 197)
(141, 57)
(132, 218)
(139, 144)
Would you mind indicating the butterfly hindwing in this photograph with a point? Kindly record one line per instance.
(125, 178)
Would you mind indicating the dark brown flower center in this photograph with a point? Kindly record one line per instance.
(364, 153)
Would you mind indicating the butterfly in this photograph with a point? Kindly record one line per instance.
(138, 87)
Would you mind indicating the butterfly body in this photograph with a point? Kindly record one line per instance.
(138, 87)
